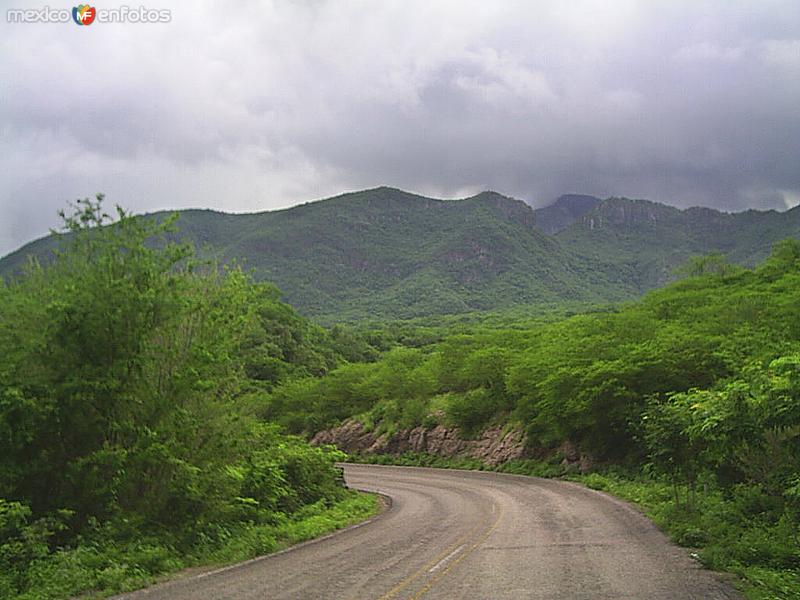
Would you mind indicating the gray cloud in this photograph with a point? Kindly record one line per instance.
(251, 106)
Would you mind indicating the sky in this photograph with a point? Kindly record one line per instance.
(246, 106)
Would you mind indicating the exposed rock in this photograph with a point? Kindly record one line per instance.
(494, 446)
(350, 436)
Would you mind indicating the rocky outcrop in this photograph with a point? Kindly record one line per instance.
(494, 446)
(625, 212)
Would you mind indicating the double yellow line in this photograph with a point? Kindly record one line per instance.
(441, 557)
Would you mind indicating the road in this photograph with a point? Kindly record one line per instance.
(470, 535)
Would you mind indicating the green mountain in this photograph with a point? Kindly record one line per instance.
(648, 240)
(565, 211)
(385, 253)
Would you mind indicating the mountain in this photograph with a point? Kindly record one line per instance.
(648, 239)
(565, 211)
(385, 253)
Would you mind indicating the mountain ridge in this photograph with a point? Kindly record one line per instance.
(387, 253)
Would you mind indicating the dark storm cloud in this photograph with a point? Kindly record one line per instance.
(254, 106)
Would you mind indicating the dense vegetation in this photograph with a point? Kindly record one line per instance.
(385, 254)
(648, 240)
(694, 392)
(153, 406)
(128, 445)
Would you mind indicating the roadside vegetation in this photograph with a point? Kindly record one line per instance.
(741, 531)
(688, 401)
(154, 409)
(128, 442)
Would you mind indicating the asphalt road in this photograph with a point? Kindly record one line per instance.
(470, 535)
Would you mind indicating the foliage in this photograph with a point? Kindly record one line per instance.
(128, 373)
(747, 430)
(649, 241)
(696, 387)
(587, 378)
(741, 529)
(108, 565)
(386, 254)
(145, 397)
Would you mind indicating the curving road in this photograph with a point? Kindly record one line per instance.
(470, 535)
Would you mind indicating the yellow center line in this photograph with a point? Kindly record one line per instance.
(426, 568)
(458, 559)
(439, 560)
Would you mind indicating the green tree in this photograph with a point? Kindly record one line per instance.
(124, 379)
(673, 446)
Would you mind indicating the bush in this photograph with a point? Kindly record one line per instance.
(470, 411)
(127, 439)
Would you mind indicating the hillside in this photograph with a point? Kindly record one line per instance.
(685, 402)
(649, 239)
(565, 211)
(385, 253)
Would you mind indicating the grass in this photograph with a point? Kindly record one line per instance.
(740, 531)
(530, 467)
(96, 570)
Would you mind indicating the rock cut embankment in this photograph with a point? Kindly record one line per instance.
(493, 446)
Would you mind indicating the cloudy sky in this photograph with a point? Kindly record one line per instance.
(253, 105)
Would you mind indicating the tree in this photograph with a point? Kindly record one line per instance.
(709, 264)
(673, 448)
